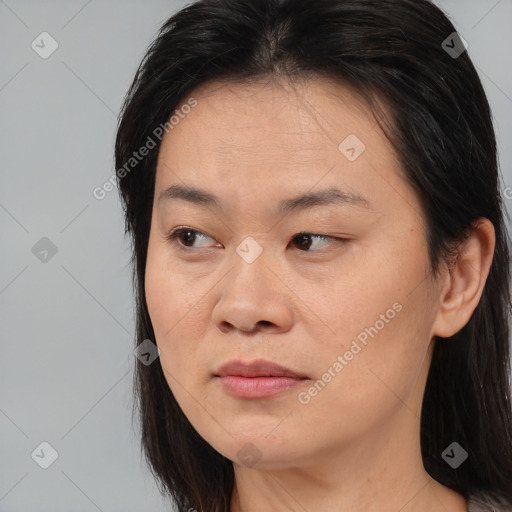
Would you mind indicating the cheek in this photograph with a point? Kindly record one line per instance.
(179, 318)
(379, 320)
(171, 301)
(367, 300)
(168, 307)
(372, 381)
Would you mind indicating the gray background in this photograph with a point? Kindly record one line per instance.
(67, 323)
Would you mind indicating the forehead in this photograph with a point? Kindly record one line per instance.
(242, 139)
(268, 117)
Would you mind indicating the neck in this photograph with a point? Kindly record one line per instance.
(385, 474)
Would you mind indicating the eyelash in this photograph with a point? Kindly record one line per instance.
(174, 235)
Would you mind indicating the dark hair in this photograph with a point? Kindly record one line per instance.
(440, 125)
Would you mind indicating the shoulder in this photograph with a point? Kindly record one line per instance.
(483, 502)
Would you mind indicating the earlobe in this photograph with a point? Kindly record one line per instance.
(464, 281)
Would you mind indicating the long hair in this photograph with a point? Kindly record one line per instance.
(407, 54)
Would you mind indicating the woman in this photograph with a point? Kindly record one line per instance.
(320, 255)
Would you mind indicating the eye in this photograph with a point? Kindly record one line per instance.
(305, 240)
(187, 236)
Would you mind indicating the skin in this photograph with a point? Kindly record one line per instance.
(355, 445)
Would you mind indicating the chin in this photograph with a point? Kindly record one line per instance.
(260, 452)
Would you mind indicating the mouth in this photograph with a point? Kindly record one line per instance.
(257, 379)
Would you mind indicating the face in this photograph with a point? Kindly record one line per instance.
(302, 246)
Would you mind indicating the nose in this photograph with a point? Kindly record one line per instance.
(253, 299)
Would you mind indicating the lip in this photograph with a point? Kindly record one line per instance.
(257, 379)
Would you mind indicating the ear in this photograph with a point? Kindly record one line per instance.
(464, 281)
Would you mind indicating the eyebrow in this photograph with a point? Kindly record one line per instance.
(326, 197)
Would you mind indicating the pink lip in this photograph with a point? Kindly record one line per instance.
(257, 379)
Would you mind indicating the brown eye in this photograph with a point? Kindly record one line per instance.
(186, 237)
(305, 240)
